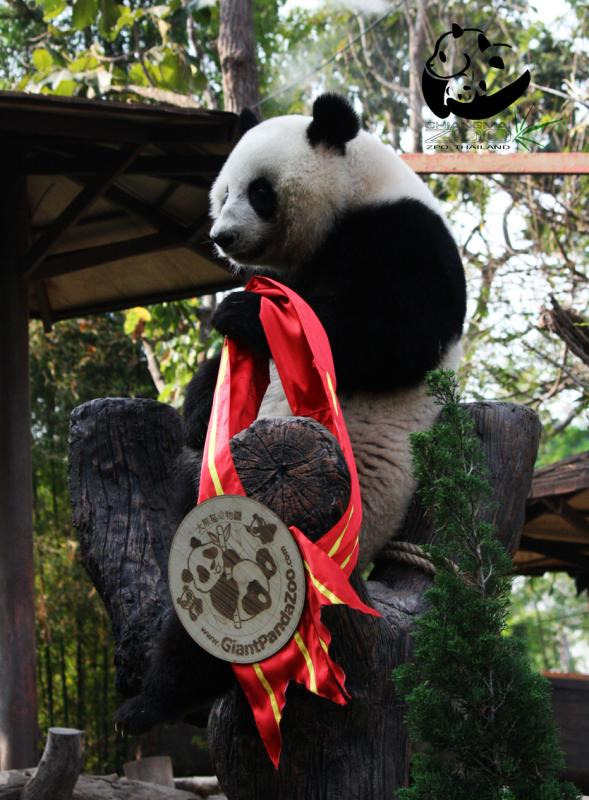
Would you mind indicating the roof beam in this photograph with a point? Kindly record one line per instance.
(564, 551)
(143, 300)
(84, 166)
(575, 518)
(164, 222)
(75, 260)
(72, 213)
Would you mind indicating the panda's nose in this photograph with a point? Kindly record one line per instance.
(224, 239)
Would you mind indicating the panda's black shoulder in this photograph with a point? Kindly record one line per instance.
(389, 273)
(401, 244)
(397, 230)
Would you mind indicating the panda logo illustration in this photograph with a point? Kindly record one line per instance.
(238, 587)
(237, 579)
(456, 76)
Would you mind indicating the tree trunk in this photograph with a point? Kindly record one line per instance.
(237, 53)
(122, 455)
(361, 750)
(122, 470)
(59, 768)
(416, 26)
(96, 787)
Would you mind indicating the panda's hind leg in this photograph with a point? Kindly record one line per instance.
(182, 680)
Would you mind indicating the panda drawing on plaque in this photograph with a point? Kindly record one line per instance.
(327, 209)
(238, 587)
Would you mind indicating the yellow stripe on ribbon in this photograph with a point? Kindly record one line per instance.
(323, 645)
(331, 389)
(338, 541)
(213, 424)
(273, 702)
(308, 661)
(345, 562)
(333, 598)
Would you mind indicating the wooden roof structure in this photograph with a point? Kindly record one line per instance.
(118, 200)
(555, 537)
(103, 206)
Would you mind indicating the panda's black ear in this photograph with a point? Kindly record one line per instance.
(247, 120)
(334, 122)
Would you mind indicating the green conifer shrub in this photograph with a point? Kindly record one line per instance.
(480, 718)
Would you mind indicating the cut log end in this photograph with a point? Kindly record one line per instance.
(295, 467)
(59, 768)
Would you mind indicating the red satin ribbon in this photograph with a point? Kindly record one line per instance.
(302, 355)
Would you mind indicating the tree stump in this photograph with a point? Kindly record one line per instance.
(154, 769)
(59, 768)
(295, 467)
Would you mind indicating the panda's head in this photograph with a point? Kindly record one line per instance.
(283, 186)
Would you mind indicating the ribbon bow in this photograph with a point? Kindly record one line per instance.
(301, 353)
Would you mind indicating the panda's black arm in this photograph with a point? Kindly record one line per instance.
(198, 402)
(391, 294)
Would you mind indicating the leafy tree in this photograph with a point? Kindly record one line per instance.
(175, 337)
(77, 361)
(551, 619)
(480, 715)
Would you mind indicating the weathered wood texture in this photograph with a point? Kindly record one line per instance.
(204, 785)
(59, 768)
(329, 752)
(570, 701)
(155, 769)
(96, 787)
(361, 750)
(121, 481)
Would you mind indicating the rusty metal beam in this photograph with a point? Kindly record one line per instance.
(486, 163)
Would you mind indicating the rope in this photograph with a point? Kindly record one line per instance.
(407, 553)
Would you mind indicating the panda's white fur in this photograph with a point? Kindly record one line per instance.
(313, 189)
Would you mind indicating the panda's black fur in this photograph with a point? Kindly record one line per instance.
(388, 285)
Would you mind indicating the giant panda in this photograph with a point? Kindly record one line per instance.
(329, 210)
(336, 215)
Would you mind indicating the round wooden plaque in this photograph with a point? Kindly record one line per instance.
(237, 579)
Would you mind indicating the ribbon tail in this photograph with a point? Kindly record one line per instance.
(327, 578)
(267, 697)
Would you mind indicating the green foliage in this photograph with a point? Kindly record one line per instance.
(569, 442)
(552, 621)
(176, 342)
(480, 715)
(79, 360)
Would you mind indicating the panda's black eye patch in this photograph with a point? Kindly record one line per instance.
(262, 197)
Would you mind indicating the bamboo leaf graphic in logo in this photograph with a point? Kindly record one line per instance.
(522, 131)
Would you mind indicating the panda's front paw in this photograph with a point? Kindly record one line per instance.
(136, 716)
(238, 317)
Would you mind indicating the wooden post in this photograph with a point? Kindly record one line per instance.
(153, 769)
(18, 709)
(59, 768)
